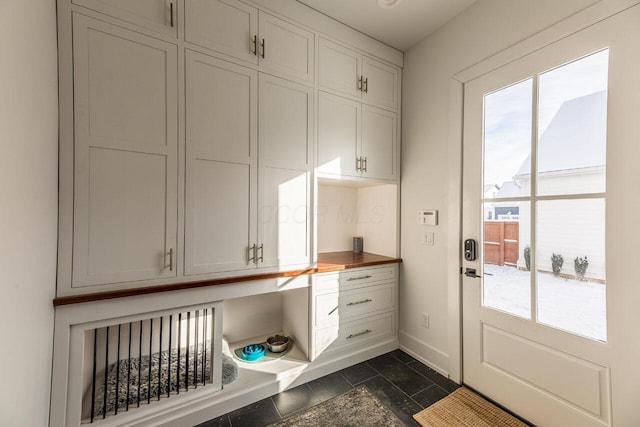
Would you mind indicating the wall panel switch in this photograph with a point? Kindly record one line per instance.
(427, 238)
(428, 217)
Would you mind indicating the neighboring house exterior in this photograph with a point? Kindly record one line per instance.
(571, 160)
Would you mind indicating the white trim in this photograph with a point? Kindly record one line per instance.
(434, 358)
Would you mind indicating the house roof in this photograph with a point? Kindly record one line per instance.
(575, 138)
(509, 189)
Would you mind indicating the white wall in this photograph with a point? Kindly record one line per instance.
(486, 28)
(28, 216)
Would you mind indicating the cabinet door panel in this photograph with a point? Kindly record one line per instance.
(150, 14)
(224, 26)
(286, 124)
(339, 68)
(125, 187)
(382, 83)
(221, 173)
(284, 221)
(219, 228)
(221, 106)
(287, 49)
(379, 135)
(338, 135)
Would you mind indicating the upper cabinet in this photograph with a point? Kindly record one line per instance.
(156, 15)
(125, 154)
(241, 31)
(346, 71)
(356, 140)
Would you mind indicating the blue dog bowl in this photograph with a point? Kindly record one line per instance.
(253, 352)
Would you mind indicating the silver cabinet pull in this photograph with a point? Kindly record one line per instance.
(360, 302)
(359, 278)
(364, 163)
(170, 259)
(261, 257)
(171, 14)
(365, 85)
(263, 44)
(360, 83)
(358, 164)
(365, 332)
(251, 253)
(255, 45)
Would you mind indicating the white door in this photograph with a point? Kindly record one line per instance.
(286, 48)
(221, 173)
(339, 68)
(226, 26)
(379, 136)
(338, 135)
(125, 152)
(285, 170)
(548, 176)
(157, 15)
(380, 83)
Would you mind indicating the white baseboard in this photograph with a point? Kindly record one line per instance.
(430, 356)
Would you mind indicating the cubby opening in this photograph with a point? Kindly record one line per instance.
(252, 319)
(354, 208)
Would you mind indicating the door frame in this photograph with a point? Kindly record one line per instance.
(573, 24)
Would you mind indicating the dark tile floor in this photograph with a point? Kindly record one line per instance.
(401, 383)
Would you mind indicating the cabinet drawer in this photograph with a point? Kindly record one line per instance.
(353, 278)
(354, 333)
(337, 307)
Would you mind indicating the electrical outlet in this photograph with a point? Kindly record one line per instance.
(425, 320)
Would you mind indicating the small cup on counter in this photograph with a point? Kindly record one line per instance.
(358, 244)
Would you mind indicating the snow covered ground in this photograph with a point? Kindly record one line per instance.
(572, 305)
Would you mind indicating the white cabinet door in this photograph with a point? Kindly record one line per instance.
(381, 83)
(156, 15)
(338, 135)
(379, 143)
(286, 162)
(125, 149)
(286, 48)
(221, 142)
(339, 68)
(226, 26)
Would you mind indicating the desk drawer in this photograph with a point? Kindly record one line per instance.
(354, 333)
(336, 308)
(358, 277)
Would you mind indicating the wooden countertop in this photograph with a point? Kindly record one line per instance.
(330, 261)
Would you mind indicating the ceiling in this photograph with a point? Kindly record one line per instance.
(400, 26)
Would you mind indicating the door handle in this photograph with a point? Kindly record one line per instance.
(471, 272)
(262, 45)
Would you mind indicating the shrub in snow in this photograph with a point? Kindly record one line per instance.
(556, 263)
(580, 264)
(527, 257)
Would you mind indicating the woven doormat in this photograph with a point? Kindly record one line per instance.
(463, 408)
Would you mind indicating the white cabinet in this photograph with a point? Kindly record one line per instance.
(241, 31)
(222, 158)
(125, 155)
(226, 26)
(285, 136)
(351, 73)
(353, 308)
(239, 216)
(355, 139)
(156, 15)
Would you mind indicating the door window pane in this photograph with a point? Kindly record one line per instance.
(507, 280)
(571, 266)
(507, 140)
(572, 127)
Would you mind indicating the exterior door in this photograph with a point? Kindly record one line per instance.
(547, 145)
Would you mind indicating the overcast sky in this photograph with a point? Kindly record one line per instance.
(507, 120)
